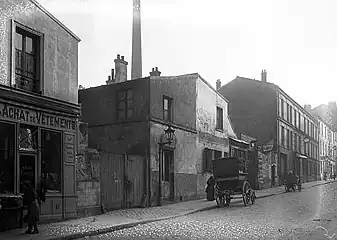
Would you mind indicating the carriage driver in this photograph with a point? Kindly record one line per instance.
(291, 181)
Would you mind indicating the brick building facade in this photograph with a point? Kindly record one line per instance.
(131, 116)
(38, 105)
(264, 111)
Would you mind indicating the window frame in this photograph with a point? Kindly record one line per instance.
(221, 127)
(126, 104)
(169, 110)
(39, 55)
(61, 157)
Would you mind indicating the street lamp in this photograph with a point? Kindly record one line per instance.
(167, 138)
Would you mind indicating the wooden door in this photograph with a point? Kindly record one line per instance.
(112, 180)
(134, 173)
(168, 174)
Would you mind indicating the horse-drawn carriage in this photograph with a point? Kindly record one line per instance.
(230, 175)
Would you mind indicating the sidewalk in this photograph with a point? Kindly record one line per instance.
(126, 218)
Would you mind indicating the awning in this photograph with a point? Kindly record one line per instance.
(238, 140)
(301, 156)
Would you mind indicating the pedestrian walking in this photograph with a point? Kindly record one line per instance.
(210, 188)
(30, 201)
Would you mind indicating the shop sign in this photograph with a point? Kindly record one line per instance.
(36, 117)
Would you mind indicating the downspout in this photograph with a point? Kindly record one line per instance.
(278, 162)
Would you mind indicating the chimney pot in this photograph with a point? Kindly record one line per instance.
(218, 84)
(120, 69)
(109, 78)
(264, 75)
(155, 72)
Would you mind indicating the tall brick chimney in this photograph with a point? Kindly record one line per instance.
(121, 67)
(264, 76)
(218, 84)
(136, 61)
(155, 72)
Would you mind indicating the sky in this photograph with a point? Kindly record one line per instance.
(294, 40)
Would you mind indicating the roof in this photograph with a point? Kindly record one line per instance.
(192, 75)
(277, 88)
(55, 19)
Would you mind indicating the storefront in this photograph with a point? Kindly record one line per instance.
(38, 141)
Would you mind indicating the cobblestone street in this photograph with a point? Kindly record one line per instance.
(299, 215)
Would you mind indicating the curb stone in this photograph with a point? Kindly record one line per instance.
(142, 222)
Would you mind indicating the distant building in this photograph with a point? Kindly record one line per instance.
(39, 108)
(131, 116)
(264, 111)
(327, 141)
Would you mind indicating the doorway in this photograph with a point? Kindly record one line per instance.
(27, 170)
(168, 174)
(273, 174)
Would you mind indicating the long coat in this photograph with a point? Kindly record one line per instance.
(29, 200)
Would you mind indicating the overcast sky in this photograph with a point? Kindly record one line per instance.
(294, 40)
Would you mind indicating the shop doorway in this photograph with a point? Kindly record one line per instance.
(27, 170)
(168, 174)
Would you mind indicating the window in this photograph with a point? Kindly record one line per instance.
(299, 121)
(167, 109)
(287, 138)
(291, 141)
(124, 105)
(290, 114)
(286, 112)
(27, 138)
(51, 160)
(282, 108)
(207, 160)
(295, 118)
(27, 57)
(217, 154)
(219, 118)
(282, 136)
(302, 123)
(7, 147)
(295, 142)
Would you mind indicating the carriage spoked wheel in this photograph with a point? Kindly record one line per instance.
(248, 195)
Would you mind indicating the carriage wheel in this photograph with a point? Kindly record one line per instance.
(227, 198)
(252, 196)
(219, 198)
(246, 193)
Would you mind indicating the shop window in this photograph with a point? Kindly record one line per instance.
(207, 160)
(7, 141)
(51, 160)
(217, 154)
(27, 138)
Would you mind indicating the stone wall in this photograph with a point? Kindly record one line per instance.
(87, 176)
(264, 169)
